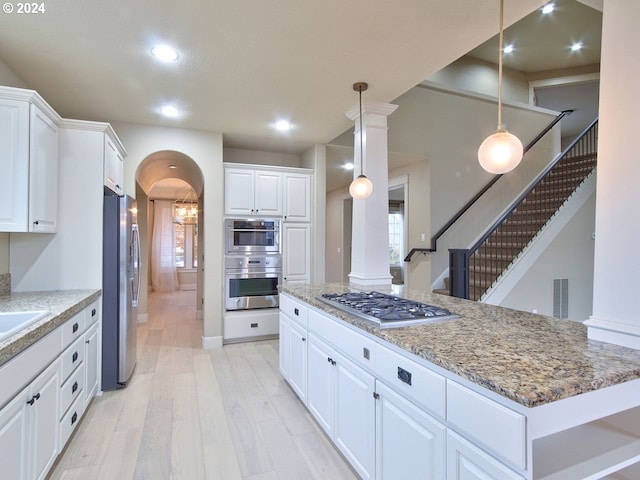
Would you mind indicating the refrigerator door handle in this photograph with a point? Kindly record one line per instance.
(136, 265)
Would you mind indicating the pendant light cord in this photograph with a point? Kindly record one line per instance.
(500, 67)
(361, 161)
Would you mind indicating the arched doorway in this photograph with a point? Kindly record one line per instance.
(173, 177)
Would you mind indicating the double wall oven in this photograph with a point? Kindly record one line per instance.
(253, 263)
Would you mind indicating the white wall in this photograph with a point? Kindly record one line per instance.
(238, 155)
(616, 299)
(569, 256)
(205, 149)
(474, 75)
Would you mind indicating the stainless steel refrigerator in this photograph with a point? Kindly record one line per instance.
(120, 288)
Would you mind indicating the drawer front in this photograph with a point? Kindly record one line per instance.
(72, 358)
(488, 423)
(294, 309)
(71, 389)
(93, 314)
(237, 327)
(357, 347)
(73, 328)
(422, 386)
(71, 419)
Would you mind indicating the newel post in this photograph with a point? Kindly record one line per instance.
(459, 272)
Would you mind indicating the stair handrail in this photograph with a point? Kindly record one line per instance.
(529, 189)
(477, 196)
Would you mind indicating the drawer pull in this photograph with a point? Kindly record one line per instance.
(74, 357)
(404, 375)
(296, 311)
(74, 387)
(254, 325)
(74, 417)
(75, 327)
(93, 312)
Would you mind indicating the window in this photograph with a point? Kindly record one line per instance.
(396, 233)
(186, 245)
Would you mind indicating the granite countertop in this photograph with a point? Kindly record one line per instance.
(531, 359)
(62, 304)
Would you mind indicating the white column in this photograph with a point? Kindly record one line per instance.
(370, 232)
(616, 276)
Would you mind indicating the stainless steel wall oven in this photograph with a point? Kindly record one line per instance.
(251, 281)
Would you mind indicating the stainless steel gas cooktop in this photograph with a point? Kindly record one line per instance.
(387, 311)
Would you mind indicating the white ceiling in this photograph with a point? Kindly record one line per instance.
(245, 64)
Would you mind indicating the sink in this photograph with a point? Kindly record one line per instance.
(12, 322)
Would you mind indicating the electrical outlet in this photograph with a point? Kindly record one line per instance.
(422, 237)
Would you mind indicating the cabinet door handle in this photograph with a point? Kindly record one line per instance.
(75, 327)
(404, 375)
(296, 311)
(74, 417)
(304, 339)
(36, 222)
(74, 387)
(93, 312)
(74, 357)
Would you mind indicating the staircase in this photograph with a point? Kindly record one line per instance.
(475, 270)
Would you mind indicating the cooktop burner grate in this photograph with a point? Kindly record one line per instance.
(386, 310)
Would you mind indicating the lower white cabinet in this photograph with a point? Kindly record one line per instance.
(465, 461)
(340, 396)
(29, 428)
(298, 359)
(410, 444)
(91, 363)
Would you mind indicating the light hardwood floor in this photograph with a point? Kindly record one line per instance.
(194, 414)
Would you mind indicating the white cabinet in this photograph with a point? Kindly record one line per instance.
(409, 443)
(340, 396)
(29, 428)
(29, 149)
(91, 342)
(465, 461)
(296, 253)
(298, 359)
(252, 192)
(113, 166)
(297, 197)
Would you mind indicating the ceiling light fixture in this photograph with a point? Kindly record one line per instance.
(165, 53)
(576, 46)
(501, 152)
(283, 126)
(348, 166)
(548, 8)
(361, 187)
(508, 49)
(170, 111)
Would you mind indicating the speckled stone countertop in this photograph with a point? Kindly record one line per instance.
(62, 304)
(531, 359)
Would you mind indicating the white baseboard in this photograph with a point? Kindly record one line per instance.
(211, 343)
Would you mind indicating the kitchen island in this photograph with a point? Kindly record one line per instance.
(526, 391)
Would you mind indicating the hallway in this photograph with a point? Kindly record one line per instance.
(193, 414)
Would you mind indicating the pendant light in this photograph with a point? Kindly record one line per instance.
(501, 152)
(361, 187)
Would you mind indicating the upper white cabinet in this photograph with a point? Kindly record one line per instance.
(113, 166)
(253, 192)
(29, 149)
(296, 253)
(297, 197)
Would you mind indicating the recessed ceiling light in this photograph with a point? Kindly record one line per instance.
(348, 166)
(169, 111)
(548, 8)
(283, 126)
(165, 53)
(576, 46)
(508, 49)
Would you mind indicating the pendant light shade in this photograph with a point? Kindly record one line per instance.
(361, 187)
(501, 152)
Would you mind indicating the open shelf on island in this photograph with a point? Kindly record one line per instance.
(591, 451)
